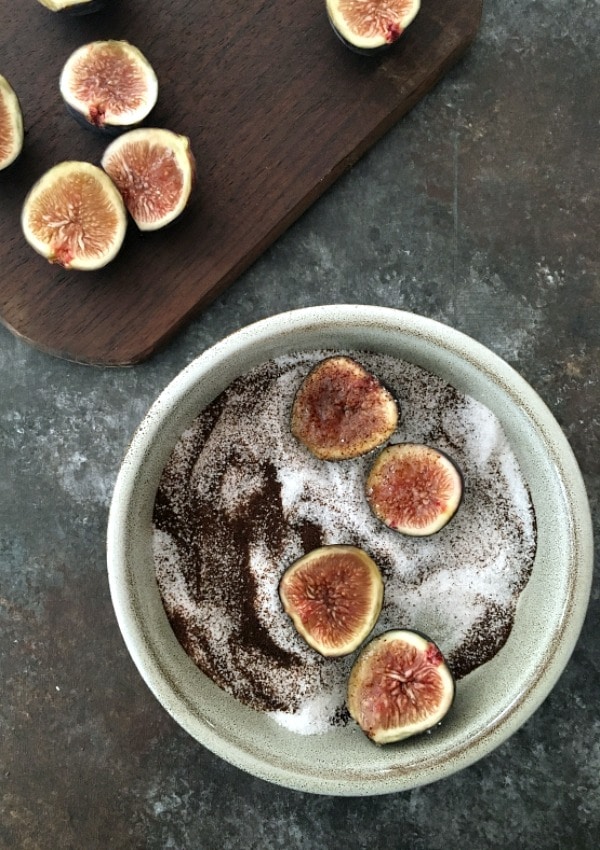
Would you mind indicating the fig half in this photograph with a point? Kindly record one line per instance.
(74, 216)
(370, 26)
(341, 411)
(334, 596)
(109, 86)
(399, 686)
(414, 489)
(74, 7)
(11, 124)
(155, 171)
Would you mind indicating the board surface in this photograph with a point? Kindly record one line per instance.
(276, 109)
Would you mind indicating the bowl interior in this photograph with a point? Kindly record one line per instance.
(492, 701)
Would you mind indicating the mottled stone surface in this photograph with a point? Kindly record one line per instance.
(479, 209)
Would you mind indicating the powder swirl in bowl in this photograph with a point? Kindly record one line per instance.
(240, 499)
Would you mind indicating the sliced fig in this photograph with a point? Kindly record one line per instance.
(370, 26)
(74, 216)
(109, 86)
(342, 411)
(414, 489)
(154, 170)
(399, 686)
(11, 124)
(333, 596)
(74, 7)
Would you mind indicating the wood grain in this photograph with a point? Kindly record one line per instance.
(276, 109)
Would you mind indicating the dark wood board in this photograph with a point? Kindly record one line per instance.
(276, 109)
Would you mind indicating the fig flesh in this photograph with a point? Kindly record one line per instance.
(370, 26)
(11, 124)
(74, 7)
(399, 686)
(109, 86)
(341, 411)
(74, 216)
(334, 596)
(154, 170)
(414, 489)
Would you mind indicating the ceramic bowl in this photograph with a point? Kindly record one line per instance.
(494, 700)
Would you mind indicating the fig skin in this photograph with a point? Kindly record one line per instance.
(91, 63)
(414, 489)
(370, 28)
(342, 411)
(399, 686)
(323, 593)
(12, 109)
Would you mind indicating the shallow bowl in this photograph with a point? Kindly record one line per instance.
(494, 700)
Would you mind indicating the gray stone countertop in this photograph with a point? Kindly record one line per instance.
(480, 209)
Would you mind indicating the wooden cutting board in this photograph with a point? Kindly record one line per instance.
(276, 109)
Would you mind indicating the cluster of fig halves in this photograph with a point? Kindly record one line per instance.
(400, 684)
(76, 213)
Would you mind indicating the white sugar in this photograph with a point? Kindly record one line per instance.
(459, 586)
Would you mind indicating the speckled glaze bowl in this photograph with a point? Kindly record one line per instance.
(494, 700)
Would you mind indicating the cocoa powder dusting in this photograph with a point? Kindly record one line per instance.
(229, 578)
(241, 499)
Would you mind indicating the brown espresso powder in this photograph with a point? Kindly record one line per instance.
(240, 499)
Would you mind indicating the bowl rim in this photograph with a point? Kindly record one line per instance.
(130, 610)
